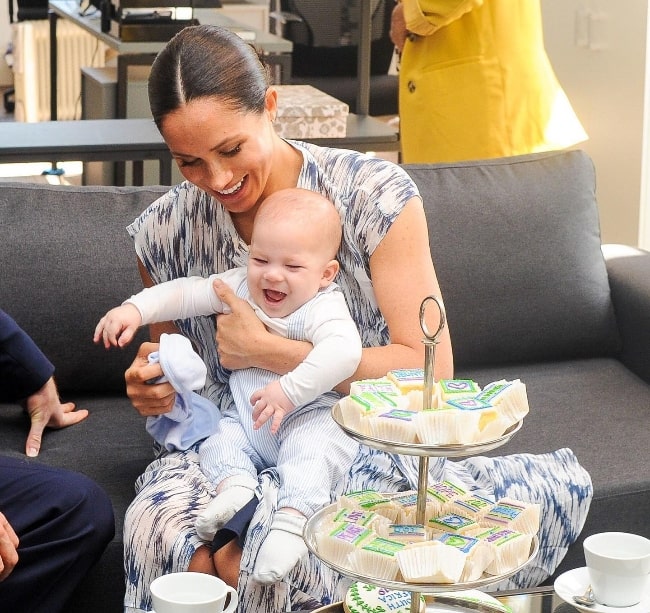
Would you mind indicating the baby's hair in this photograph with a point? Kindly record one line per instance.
(207, 61)
(307, 209)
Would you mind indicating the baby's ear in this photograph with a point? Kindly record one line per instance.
(330, 271)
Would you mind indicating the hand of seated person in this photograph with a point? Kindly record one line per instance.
(45, 410)
(8, 548)
(270, 402)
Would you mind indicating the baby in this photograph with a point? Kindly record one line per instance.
(289, 282)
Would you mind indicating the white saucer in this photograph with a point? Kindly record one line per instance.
(576, 581)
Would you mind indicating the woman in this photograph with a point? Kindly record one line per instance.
(217, 118)
(475, 81)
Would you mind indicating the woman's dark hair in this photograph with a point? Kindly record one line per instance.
(206, 61)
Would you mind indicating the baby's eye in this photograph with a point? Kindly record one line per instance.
(293, 267)
(259, 260)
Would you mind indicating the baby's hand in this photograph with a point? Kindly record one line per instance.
(118, 326)
(270, 401)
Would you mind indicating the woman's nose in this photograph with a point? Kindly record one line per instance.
(219, 177)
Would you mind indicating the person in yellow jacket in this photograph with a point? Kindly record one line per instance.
(475, 81)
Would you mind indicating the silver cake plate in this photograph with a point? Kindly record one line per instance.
(315, 525)
(420, 449)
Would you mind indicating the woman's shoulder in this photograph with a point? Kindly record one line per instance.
(349, 171)
(183, 200)
(347, 158)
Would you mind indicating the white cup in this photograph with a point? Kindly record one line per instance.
(190, 592)
(619, 566)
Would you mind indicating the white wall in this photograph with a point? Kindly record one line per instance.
(5, 36)
(598, 50)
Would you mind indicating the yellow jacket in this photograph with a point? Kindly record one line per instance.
(475, 82)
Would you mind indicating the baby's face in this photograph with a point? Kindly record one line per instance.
(286, 268)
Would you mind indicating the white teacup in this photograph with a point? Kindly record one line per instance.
(619, 567)
(190, 592)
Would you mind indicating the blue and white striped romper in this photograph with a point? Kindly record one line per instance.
(188, 233)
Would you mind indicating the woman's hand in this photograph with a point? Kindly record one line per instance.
(148, 398)
(239, 332)
(398, 30)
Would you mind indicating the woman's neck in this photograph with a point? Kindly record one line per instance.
(284, 173)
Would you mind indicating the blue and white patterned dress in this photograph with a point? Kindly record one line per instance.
(186, 233)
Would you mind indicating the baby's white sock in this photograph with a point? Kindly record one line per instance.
(238, 491)
(281, 549)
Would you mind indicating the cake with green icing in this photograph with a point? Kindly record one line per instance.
(367, 598)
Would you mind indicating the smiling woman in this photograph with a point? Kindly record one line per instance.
(212, 103)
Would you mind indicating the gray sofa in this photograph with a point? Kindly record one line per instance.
(528, 294)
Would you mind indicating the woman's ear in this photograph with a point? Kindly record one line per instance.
(271, 103)
(331, 270)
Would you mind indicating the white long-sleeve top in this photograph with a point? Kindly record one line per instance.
(325, 322)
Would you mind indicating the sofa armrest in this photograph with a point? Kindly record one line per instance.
(628, 269)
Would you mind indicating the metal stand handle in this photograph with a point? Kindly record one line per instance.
(430, 341)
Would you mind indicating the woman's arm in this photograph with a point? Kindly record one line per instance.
(426, 17)
(146, 398)
(402, 276)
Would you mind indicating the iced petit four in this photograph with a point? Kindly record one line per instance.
(441, 494)
(431, 562)
(511, 549)
(339, 541)
(513, 514)
(453, 524)
(376, 557)
(478, 554)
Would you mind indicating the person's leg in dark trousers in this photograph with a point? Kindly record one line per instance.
(64, 521)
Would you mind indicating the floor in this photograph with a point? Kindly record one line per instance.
(39, 172)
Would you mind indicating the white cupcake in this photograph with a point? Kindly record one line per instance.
(367, 519)
(511, 549)
(376, 558)
(509, 397)
(454, 524)
(396, 426)
(337, 543)
(437, 426)
(441, 494)
(431, 562)
(478, 554)
(513, 514)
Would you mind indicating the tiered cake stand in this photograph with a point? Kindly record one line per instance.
(315, 524)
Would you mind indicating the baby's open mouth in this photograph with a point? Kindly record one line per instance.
(274, 296)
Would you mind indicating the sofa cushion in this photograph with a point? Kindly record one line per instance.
(530, 225)
(49, 282)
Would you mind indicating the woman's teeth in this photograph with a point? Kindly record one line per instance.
(232, 190)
